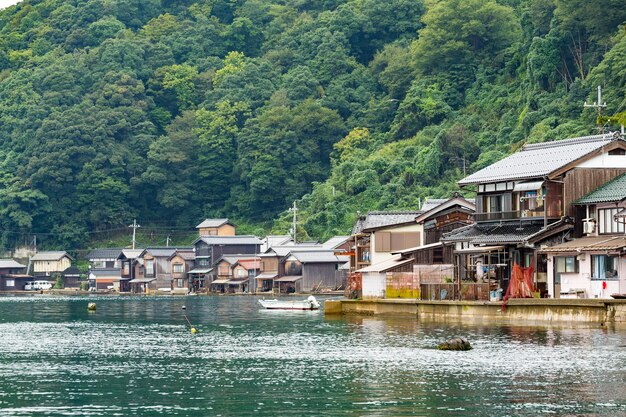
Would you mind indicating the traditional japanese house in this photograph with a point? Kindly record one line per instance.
(104, 258)
(270, 260)
(524, 202)
(13, 275)
(445, 216)
(275, 240)
(341, 245)
(181, 262)
(593, 264)
(216, 227)
(244, 272)
(46, 264)
(156, 265)
(223, 272)
(71, 277)
(106, 261)
(105, 279)
(307, 271)
(376, 235)
(131, 271)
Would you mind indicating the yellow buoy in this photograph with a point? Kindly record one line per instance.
(194, 330)
(91, 306)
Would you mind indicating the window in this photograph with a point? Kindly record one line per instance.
(240, 273)
(607, 223)
(203, 262)
(604, 266)
(177, 268)
(10, 283)
(492, 204)
(180, 283)
(565, 264)
(150, 267)
(99, 264)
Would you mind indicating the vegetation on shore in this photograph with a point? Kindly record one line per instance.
(172, 111)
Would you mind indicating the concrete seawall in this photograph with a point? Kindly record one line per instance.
(600, 311)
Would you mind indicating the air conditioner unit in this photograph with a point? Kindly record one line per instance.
(589, 227)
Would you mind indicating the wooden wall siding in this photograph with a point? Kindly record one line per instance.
(434, 234)
(581, 181)
(244, 272)
(293, 268)
(315, 273)
(52, 266)
(223, 269)
(407, 267)
(224, 230)
(269, 264)
(390, 242)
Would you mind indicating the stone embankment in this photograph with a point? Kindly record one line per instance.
(600, 311)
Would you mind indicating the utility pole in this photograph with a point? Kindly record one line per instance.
(134, 226)
(167, 241)
(598, 105)
(294, 210)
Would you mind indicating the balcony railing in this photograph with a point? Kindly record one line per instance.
(515, 215)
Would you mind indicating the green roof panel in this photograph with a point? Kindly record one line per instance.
(614, 190)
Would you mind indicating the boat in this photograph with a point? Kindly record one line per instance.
(619, 296)
(309, 304)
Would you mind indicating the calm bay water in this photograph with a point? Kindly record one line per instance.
(136, 356)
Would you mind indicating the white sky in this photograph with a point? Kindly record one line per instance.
(7, 3)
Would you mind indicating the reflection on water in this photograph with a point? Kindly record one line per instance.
(136, 356)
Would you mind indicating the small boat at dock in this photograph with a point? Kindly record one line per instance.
(309, 304)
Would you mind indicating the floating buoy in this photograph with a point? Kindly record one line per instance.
(194, 330)
(91, 306)
(184, 308)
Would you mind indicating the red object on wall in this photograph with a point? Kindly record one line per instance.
(604, 285)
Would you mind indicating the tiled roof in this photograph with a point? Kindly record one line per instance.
(230, 240)
(233, 259)
(164, 252)
(10, 263)
(590, 243)
(130, 253)
(488, 234)
(431, 203)
(464, 203)
(287, 249)
(378, 219)
(614, 190)
(540, 159)
(104, 253)
(212, 223)
(49, 256)
(316, 257)
(335, 241)
(186, 254)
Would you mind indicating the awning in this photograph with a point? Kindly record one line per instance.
(589, 244)
(237, 282)
(527, 186)
(288, 278)
(385, 266)
(141, 280)
(220, 281)
(480, 249)
(266, 276)
(201, 271)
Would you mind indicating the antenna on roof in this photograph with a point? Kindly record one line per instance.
(598, 105)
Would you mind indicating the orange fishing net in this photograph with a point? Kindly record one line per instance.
(521, 285)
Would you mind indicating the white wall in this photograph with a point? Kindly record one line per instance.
(377, 257)
(604, 160)
(374, 284)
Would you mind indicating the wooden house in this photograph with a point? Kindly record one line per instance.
(104, 258)
(156, 267)
(181, 262)
(379, 233)
(307, 271)
(71, 278)
(524, 202)
(216, 227)
(445, 216)
(209, 249)
(270, 261)
(46, 264)
(223, 272)
(105, 279)
(593, 265)
(13, 275)
(130, 270)
(106, 261)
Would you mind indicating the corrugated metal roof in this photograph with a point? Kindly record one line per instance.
(230, 240)
(378, 219)
(10, 263)
(589, 243)
(335, 241)
(288, 278)
(212, 223)
(104, 253)
(540, 159)
(49, 256)
(386, 265)
(614, 190)
(271, 275)
(315, 257)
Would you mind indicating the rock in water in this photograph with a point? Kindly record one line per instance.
(458, 343)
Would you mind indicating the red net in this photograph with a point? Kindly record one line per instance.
(521, 285)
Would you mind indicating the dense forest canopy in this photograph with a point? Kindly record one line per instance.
(172, 111)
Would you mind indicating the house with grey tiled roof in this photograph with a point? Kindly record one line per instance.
(155, 271)
(593, 265)
(216, 227)
(378, 233)
(526, 202)
(309, 271)
(45, 265)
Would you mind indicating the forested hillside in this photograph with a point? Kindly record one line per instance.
(171, 111)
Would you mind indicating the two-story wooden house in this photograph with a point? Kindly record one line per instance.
(524, 202)
(216, 227)
(130, 271)
(181, 262)
(13, 275)
(593, 265)
(156, 266)
(47, 264)
(105, 269)
(306, 271)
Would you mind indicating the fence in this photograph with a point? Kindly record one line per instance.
(432, 282)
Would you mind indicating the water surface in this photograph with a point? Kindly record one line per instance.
(136, 356)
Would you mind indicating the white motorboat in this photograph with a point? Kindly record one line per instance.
(309, 304)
